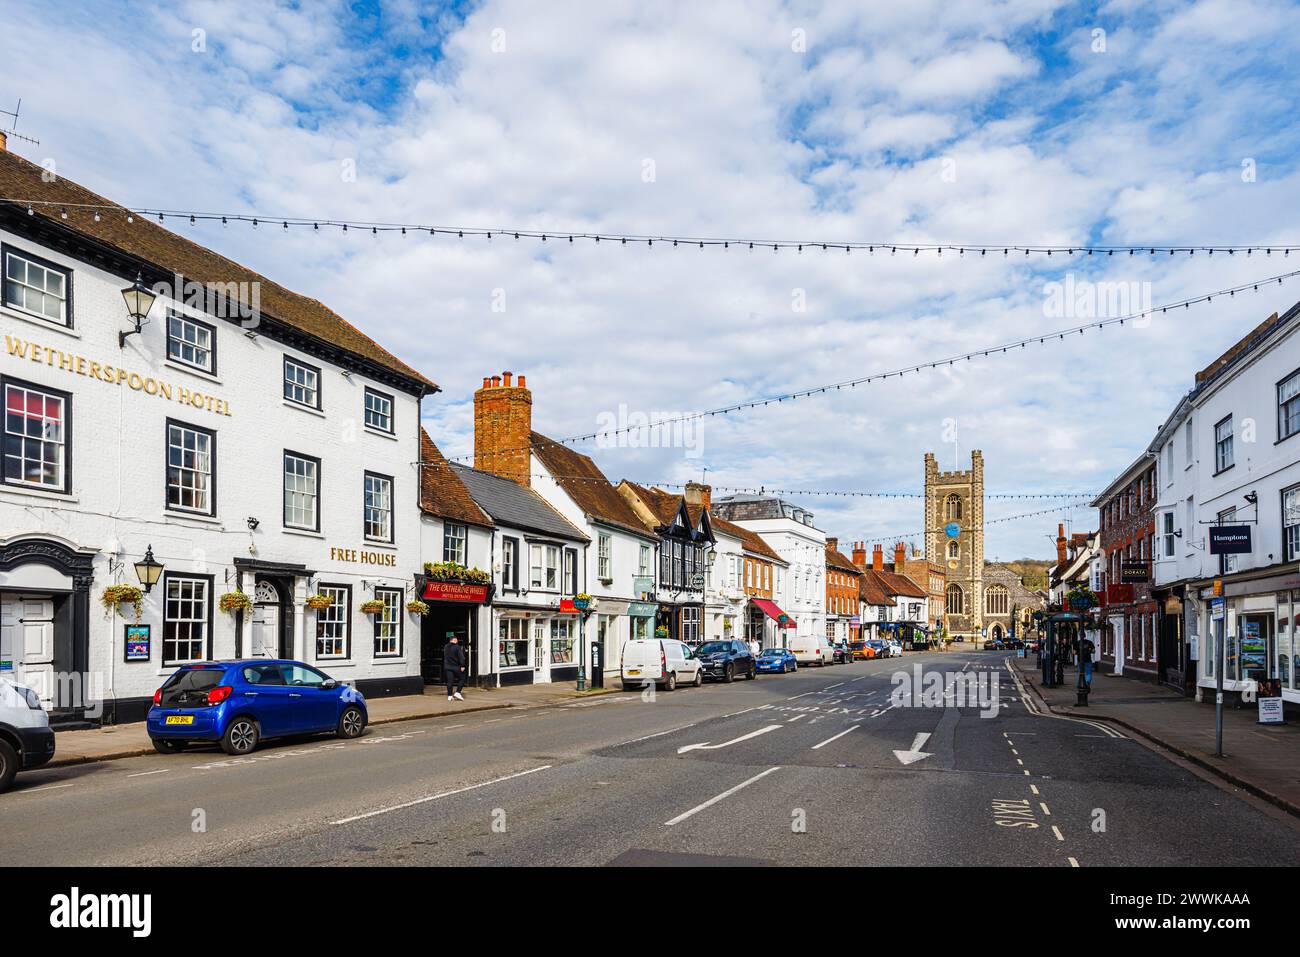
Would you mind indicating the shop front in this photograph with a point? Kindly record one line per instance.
(454, 609)
(768, 624)
(1254, 623)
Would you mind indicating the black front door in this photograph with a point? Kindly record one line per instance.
(443, 621)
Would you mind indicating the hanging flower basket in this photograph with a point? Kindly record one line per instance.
(319, 602)
(115, 596)
(417, 607)
(583, 601)
(374, 606)
(455, 572)
(661, 632)
(235, 601)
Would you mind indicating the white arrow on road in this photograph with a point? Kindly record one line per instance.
(705, 746)
(916, 754)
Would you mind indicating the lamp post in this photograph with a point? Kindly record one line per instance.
(139, 300)
(148, 570)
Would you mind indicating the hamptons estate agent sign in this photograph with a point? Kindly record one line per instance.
(113, 375)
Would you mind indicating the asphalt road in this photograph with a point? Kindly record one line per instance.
(819, 767)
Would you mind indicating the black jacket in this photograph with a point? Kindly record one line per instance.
(453, 656)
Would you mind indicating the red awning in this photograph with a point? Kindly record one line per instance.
(772, 611)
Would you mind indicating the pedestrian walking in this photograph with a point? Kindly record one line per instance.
(453, 668)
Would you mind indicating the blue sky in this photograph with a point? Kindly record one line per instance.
(925, 121)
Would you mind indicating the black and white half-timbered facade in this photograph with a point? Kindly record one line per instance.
(235, 439)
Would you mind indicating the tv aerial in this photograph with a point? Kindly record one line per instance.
(13, 124)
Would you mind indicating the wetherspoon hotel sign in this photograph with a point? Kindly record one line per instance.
(113, 375)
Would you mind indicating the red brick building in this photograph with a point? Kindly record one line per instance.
(1130, 615)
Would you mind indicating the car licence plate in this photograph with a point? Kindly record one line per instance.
(180, 719)
(634, 671)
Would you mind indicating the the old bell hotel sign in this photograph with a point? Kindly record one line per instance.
(110, 374)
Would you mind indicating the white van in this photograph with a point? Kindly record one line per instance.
(661, 660)
(811, 650)
(26, 740)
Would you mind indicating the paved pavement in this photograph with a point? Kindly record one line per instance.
(825, 766)
(1263, 759)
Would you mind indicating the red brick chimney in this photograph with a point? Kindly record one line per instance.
(900, 556)
(696, 492)
(503, 422)
(1060, 543)
(832, 544)
(878, 558)
(860, 554)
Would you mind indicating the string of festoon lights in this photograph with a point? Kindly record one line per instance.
(907, 536)
(885, 247)
(769, 490)
(1056, 335)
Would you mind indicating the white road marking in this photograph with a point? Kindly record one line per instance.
(705, 746)
(916, 754)
(1034, 788)
(836, 685)
(1073, 862)
(1043, 805)
(851, 727)
(52, 787)
(435, 797)
(721, 797)
(796, 718)
(141, 774)
(1057, 831)
(657, 734)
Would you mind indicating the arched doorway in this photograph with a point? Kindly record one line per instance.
(271, 622)
(996, 633)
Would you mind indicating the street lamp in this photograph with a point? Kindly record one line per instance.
(148, 570)
(139, 300)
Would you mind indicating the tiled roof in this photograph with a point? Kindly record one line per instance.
(902, 585)
(510, 503)
(836, 559)
(145, 239)
(578, 475)
(872, 589)
(442, 493)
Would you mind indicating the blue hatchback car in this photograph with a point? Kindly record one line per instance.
(777, 660)
(239, 703)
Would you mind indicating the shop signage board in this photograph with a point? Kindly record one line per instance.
(1217, 609)
(1270, 702)
(455, 591)
(1229, 539)
(1134, 573)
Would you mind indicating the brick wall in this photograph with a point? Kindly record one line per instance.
(503, 421)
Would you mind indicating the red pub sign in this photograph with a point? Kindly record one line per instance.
(455, 591)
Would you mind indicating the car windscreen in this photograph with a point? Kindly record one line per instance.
(190, 687)
(711, 646)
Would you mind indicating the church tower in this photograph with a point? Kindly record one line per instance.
(954, 537)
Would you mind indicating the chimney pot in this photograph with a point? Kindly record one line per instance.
(496, 381)
(522, 383)
(506, 376)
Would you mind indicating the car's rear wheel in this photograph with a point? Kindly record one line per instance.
(728, 672)
(168, 745)
(241, 737)
(8, 765)
(351, 723)
(670, 683)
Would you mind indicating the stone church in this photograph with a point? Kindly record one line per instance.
(954, 537)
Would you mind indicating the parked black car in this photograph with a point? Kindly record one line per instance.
(843, 655)
(726, 660)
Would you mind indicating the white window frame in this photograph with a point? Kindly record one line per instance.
(377, 513)
(298, 498)
(200, 338)
(198, 462)
(509, 560)
(1223, 455)
(379, 413)
(334, 624)
(296, 387)
(604, 557)
(196, 648)
(388, 624)
(455, 543)
(26, 286)
(54, 433)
